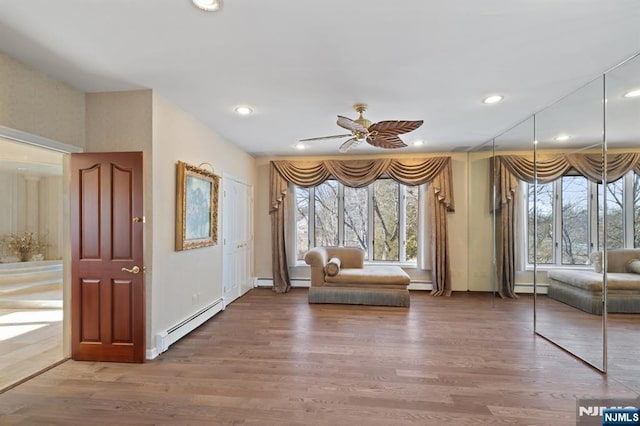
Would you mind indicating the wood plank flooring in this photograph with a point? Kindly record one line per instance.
(272, 359)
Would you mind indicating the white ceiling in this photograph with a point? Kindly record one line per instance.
(300, 63)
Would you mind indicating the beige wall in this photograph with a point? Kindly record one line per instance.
(458, 225)
(481, 276)
(35, 103)
(185, 281)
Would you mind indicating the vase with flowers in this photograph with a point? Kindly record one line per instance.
(25, 244)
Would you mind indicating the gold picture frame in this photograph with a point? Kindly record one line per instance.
(196, 207)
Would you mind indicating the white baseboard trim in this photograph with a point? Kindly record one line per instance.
(166, 338)
(152, 353)
(306, 283)
(528, 288)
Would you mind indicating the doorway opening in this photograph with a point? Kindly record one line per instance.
(32, 243)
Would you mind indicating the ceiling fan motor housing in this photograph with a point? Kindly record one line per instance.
(361, 108)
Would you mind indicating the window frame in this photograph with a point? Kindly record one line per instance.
(369, 253)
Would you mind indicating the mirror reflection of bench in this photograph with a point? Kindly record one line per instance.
(338, 275)
(582, 289)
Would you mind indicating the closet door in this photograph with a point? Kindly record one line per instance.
(237, 238)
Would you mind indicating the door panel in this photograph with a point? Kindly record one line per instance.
(122, 196)
(238, 244)
(90, 311)
(107, 240)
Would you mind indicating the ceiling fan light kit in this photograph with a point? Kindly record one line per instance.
(383, 134)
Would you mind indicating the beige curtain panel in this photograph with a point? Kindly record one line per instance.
(358, 173)
(508, 169)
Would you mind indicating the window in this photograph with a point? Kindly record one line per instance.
(569, 217)
(381, 218)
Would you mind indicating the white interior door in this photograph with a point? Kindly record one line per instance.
(237, 238)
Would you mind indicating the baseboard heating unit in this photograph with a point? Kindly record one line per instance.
(178, 331)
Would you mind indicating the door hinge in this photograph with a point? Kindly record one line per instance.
(139, 219)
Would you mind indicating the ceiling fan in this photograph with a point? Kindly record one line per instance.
(383, 134)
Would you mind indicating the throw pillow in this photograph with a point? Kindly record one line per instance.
(333, 267)
(596, 261)
(634, 266)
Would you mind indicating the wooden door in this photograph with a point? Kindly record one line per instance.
(107, 290)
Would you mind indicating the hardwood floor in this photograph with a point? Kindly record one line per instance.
(273, 359)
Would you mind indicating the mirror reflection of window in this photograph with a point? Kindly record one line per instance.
(545, 219)
(615, 214)
(575, 220)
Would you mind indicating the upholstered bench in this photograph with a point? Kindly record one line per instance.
(338, 275)
(582, 289)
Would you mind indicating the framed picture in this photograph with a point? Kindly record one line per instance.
(196, 207)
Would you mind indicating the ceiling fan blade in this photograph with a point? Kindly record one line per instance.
(349, 124)
(325, 137)
(395, 127)
(348, 145)
(386, 140)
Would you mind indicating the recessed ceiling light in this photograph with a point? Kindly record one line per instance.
(300, 146)
(419, 142)
(243, 110)
(632, 94)
(493, 99)
(208, 5)
(562, 138)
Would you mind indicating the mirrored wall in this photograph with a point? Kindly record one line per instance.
(567, 223)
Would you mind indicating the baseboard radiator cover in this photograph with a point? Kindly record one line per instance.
(167, 338)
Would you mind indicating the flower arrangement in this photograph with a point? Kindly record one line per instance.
(24, 244)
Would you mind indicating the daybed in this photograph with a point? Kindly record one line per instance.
(338, 275)
(583, 289)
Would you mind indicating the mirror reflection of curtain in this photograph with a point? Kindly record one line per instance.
(435, 171)
(510, 169)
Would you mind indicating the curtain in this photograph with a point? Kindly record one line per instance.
(278, 192)
(359, 173)
(509, 169)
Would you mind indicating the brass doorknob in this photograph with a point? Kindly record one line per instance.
(134, 270)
